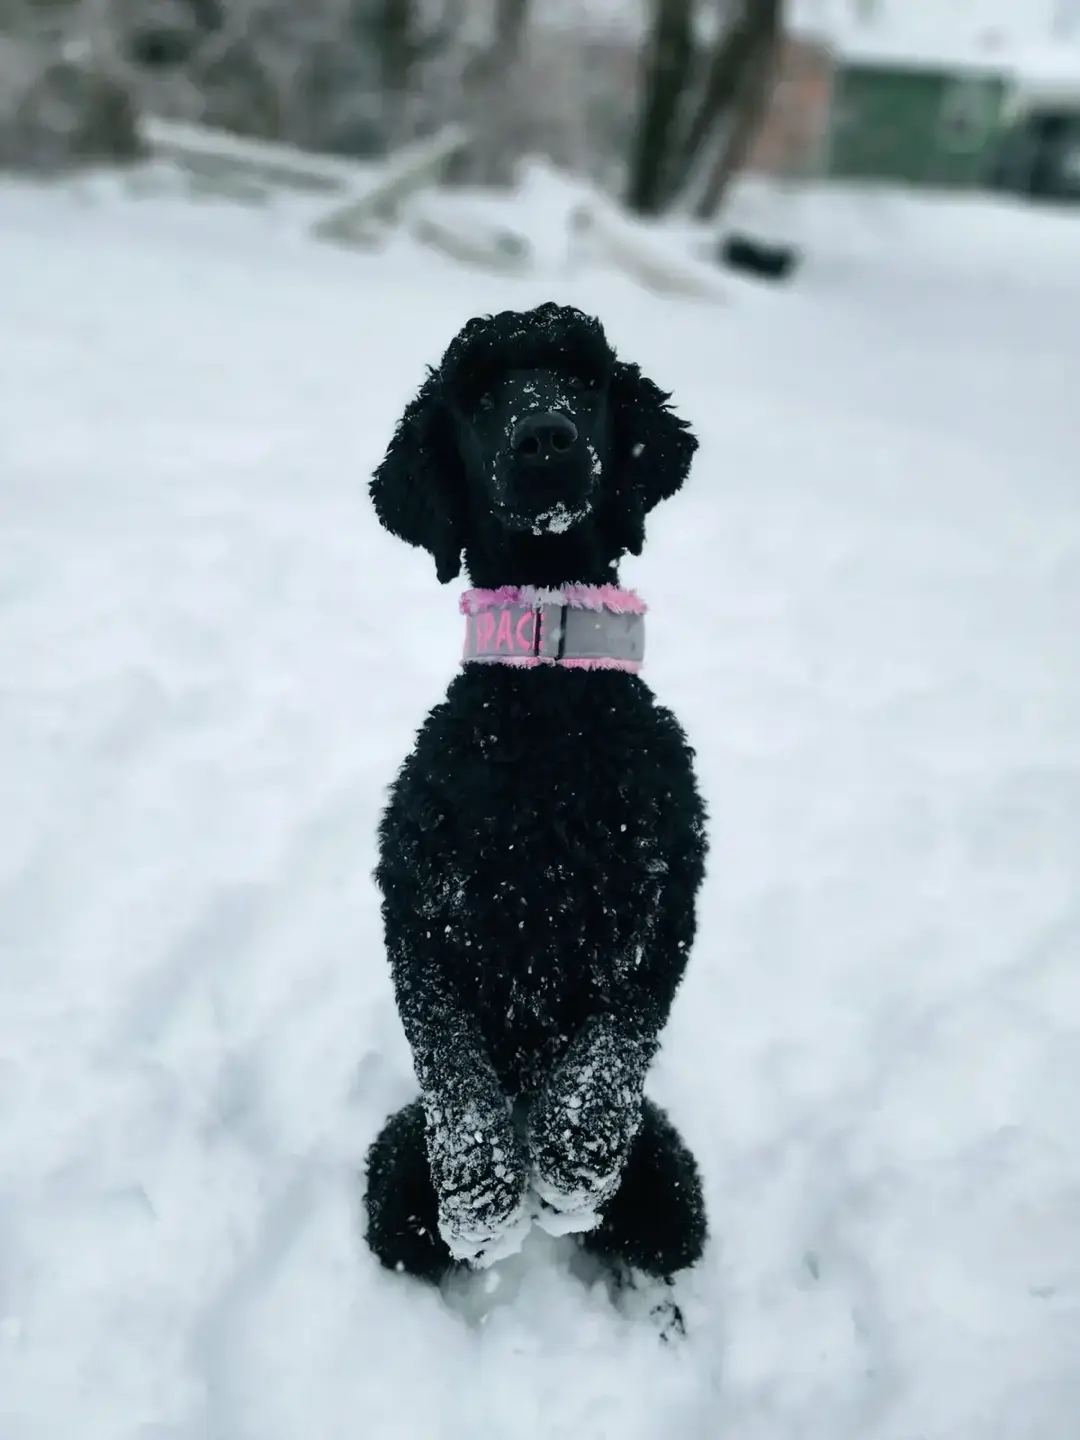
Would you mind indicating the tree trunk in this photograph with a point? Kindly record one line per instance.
(493, 100)
(738, 49)
(749, 111)
(668, 62)
(402, 45)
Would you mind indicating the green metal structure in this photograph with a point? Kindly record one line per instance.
(916, 123)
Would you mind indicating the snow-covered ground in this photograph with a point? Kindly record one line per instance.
(865, 608)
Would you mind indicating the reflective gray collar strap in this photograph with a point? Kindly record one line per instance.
(555, 633)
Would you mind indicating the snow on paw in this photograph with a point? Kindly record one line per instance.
(569, 1212)
(479, 1172)
(577, 1153)
(582, 1126)
(484, 1244)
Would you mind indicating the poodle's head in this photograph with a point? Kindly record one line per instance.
(532, 450)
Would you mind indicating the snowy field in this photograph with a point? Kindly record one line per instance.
(865, 608)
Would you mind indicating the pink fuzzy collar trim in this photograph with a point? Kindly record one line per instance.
(526, 626)
(578, 597)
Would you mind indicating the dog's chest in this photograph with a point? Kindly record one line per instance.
(539, 828)
(558, 822)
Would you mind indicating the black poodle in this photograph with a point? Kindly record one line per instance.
(543, 845)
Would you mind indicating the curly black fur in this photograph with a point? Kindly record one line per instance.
(540, 858)
(424, 495)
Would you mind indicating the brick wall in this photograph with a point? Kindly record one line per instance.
(791, 139)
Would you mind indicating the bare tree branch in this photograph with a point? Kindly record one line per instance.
(736, 51)
(667, 61)
(749, 110)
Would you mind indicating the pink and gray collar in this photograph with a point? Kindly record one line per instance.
(583, 627)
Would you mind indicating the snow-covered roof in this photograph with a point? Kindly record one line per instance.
(1046, 75)
(920, 50)
(1048, 64)
(945, 24)
(981, 35)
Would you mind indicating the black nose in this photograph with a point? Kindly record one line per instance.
(544, 436)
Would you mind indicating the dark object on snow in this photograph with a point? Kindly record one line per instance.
(544, 842)
(756, 257)
(1039, 156)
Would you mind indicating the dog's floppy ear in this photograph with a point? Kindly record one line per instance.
(651, 450)
(419, 489)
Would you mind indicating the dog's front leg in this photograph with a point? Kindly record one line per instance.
(584, 1120)
(478, 1164)
(588, 1113)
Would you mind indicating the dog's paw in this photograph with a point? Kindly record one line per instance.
(558, 1212)
(479, 1170)
(480, 1237)
(577, 1148)
(571, 1191)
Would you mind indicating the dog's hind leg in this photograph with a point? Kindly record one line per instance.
(402, 1209)
(655, 1221)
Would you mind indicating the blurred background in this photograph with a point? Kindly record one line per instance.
(657, 103)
